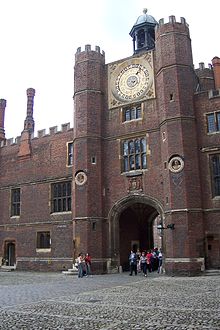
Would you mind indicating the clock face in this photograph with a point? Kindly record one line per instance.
(132, 82)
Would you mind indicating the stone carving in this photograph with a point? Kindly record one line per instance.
(135, 184)
(176, 164)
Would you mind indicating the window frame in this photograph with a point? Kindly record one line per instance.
(46, 243)
(134, 154)
(215, 178)
(69, 158)
(61, 197)
(129, 111)
(15, 204)
(215, 124)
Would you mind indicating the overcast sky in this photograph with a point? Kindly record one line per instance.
(39, 39)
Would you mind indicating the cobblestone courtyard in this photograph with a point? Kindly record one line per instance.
(113, 302)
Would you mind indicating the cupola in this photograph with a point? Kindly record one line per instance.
(143, 33)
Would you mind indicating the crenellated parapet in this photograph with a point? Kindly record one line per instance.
(41, 134)
(172, 20)
(173, 44)
(204, 78)
(89, 53)
(88, 72)
(172, 25)
(89, 49)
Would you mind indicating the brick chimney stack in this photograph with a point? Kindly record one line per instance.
(29, 121)
(216, 69)
(2, 119)
(25, 142)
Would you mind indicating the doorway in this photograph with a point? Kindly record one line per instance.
(134, 226)
(136, 231)
(212, 251)
(9, 253)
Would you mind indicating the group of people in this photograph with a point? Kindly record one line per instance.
(146, 261)
(83, 263)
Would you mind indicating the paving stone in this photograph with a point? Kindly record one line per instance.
(108, 302)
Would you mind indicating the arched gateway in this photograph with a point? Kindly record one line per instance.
(131, 226)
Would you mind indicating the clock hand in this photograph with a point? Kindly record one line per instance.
(138, 71)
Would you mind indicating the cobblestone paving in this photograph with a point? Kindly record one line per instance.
(108, 302)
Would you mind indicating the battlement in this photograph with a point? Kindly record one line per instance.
(203, 67)
(172, 20)
(89, 49)
(213, 93)
(40, 134)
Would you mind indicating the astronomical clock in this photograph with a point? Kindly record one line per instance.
(131, 81)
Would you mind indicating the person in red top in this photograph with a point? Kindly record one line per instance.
(149, 258)
(88, 262)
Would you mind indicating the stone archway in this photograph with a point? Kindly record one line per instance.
(131, 226)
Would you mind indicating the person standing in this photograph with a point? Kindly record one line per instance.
(80, 265)
(143, 263)
(149, 259)
(160, 261)
(138, 253)
(88, 262)
(133, 263)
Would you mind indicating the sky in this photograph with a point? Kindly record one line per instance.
(39, 39)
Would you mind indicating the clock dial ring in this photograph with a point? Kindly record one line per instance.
(132, 82)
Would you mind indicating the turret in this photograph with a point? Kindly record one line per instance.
(181, 176)
(87, 164)
(204, 78)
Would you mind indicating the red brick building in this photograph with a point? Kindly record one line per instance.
(144, 153)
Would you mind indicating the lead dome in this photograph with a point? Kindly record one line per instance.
(145, 18)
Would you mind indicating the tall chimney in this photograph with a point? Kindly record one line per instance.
(2, 119)
(25, 141)
(216, 69)
(29, 121)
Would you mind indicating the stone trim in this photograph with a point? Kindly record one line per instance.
(42, 181)
(90, 218)
(37, 259)
(39, 223)
(183, 260)
(183, 210)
